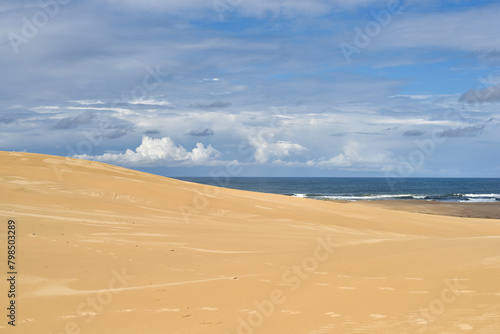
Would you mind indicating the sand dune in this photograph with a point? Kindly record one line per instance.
(103, 249)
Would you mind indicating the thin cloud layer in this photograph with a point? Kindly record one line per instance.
(469, 131)
(481, 95)
(413, 133)
(256, 8)
(203, 133)
(217, 104)
(72, 122)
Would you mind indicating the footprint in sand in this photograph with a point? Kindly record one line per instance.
(378, 316)
(324, 329)
(91, 313)
(418, 292)
(465, 327)
(127, 310)
(207, 308)
(333, 314)
(210, 323)
(70, 316)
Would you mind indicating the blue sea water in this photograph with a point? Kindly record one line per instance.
(355, 189)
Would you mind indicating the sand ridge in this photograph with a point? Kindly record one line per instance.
(115, 250)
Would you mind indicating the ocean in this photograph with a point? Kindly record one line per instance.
(467, 190)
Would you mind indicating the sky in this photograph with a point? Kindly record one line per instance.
(256, 88)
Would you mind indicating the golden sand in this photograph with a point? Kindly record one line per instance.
(103, 249)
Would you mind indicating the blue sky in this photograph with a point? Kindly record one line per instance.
(256, 88)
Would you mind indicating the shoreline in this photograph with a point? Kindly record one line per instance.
(486, 210)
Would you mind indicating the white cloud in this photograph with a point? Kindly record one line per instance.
(266, 150)
(150, 101)
(156, 152)
(88, 102)
(356, 156)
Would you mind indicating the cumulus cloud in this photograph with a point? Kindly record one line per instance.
(160, 152)
(267, 150)
(72, 122)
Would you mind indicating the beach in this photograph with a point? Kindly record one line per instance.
(473, 210)
(105, 249)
